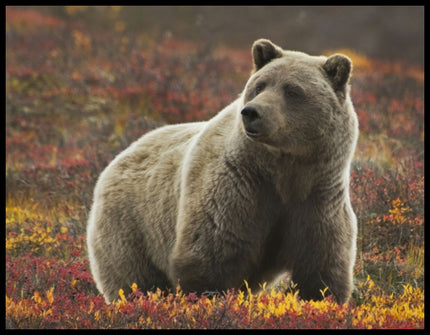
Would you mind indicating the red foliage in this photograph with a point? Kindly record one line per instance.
(29, 18)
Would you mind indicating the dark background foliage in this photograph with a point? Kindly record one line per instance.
(386, 32)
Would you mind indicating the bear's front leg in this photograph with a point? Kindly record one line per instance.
(335, 275)
(225, 215)
(211, 262)
(325, 264)
(323, 251)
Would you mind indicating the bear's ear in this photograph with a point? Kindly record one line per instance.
(338, 68)
(263, 51)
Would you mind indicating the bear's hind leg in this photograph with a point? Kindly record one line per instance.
(116, 267)
(144, 274)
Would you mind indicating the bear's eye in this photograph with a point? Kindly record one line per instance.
(293, 91)
(259, 88)
(291, 94)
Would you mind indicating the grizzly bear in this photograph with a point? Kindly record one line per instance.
(260, 189)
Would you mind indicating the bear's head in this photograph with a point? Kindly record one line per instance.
(297, 102)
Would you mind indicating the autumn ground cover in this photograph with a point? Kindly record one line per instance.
(76, 96)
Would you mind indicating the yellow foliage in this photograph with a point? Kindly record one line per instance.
(50, 295)
(398, 211)
(72, 10)
(31, 228)
(40, 237)
(53, 160)
(81, 41)
(134, 287)
(37, 298)
(120, 26)
(121, 295)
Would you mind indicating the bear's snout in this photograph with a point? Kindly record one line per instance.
(251, 119)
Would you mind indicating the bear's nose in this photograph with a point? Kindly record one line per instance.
(250, 114)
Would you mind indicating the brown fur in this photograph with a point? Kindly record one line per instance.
(260, 189)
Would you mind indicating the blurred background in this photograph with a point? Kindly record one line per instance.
(384, 32)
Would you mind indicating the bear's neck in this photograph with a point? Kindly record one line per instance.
(297, 179)
(298, 182)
